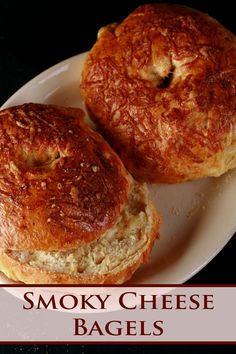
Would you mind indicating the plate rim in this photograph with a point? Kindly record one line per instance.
(42, 73)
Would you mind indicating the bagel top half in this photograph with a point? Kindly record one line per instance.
(61, 185)
(162, 87)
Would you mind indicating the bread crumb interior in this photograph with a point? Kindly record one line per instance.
(119, 246)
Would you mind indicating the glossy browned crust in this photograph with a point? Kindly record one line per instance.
(60, 183)
(25, 273)
(162, 87)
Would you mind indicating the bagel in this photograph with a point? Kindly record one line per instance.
(161, 86)
(70, 212)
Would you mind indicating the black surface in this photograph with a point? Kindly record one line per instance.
(121, 349)
(35, 35)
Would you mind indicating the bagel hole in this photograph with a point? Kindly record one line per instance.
(38, 159)
(167, 80)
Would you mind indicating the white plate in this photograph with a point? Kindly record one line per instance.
(198, 218)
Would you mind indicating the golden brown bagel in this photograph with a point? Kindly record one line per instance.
(61, 185)
(70, 212)
(162, 88)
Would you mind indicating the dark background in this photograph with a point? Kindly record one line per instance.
(35, 35)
